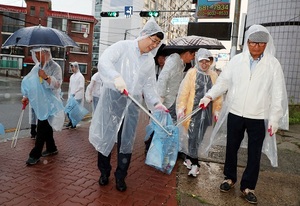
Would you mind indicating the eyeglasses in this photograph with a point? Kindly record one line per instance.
(253, 44)
(154, 41)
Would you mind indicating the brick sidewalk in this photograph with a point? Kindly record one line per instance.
(71, 177)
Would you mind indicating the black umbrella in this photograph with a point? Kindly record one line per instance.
(192, 42)
(39, 36)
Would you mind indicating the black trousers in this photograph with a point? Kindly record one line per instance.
(236, 127)
(123, 161)
(44, 135)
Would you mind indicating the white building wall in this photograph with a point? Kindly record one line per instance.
(280, 18)
(119, 28)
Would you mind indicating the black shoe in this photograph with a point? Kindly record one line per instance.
(103, 180)
(46, 153)
(32, 161)
(249, 196)
(69, 124)
(121, 185)
(226, 185)
(73, 127)
(33, 137)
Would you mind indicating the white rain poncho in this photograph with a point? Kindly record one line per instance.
(169, 79)
(45, 98)
(260, 94)
(76, 86)
(193, 87)
(123, 59)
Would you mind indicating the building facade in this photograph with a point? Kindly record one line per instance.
(282, 20)
(17, 61)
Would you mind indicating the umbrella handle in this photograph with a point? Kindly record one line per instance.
(146, 111)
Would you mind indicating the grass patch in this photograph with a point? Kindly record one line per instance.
(294, 113)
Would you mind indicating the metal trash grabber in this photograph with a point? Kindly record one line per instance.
(180, 121)
(15, 137)
(147, 112)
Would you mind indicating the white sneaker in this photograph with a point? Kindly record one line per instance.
(194, 171)
(188, 163)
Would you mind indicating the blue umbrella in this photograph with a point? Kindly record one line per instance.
(39, 36)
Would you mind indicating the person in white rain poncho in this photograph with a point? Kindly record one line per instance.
(42, 87)
(195, 84)
(256, 103)
(93, 90)
(125, 65)
(171, 76)
(76, 88)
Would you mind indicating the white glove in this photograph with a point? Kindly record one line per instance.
(216, 115)
(88, 98)
(272, 128)
(180, 113)
(120, 84)
(204, 102)
(161, 107)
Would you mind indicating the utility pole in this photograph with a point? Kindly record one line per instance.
(235, 28)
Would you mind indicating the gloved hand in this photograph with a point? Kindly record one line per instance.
(204, 102)
(120, 84)
(25, 100)
(88, 98)
(216, 116)
(180, 113)
(272, 128)
(161, 107)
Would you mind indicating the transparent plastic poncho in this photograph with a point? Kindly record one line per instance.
(123, 59)
(169, 79)
(269, 101)
(196, 130)
(44, 98)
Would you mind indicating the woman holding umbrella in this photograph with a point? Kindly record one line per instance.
(196, 83)
(42, 87)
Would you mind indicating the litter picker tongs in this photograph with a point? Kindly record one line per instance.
(146, 111)
(18, 127)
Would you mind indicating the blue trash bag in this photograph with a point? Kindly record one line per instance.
(2, 131)
(40, 95)
(75, 110)
(163, 151)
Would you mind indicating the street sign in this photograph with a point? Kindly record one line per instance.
(180, 21)
(128, 11)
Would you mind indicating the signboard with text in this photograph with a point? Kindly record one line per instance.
(213, 9)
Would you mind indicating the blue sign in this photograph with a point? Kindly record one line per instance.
(128, 11)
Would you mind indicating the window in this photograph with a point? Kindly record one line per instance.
(83, 48)
(57, 23)
(32, 11)
(58, 52)
(42, 12)
(80, 27)
(12, 22)
(82, 68)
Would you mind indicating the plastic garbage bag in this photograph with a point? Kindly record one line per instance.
(75, 110)
(163, 151)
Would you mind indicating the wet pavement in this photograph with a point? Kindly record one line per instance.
(71, 176)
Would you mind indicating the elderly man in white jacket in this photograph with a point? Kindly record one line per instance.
(126, 65)
(76, 87)
(256, 103)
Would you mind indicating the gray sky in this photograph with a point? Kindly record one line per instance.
(72, 6)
